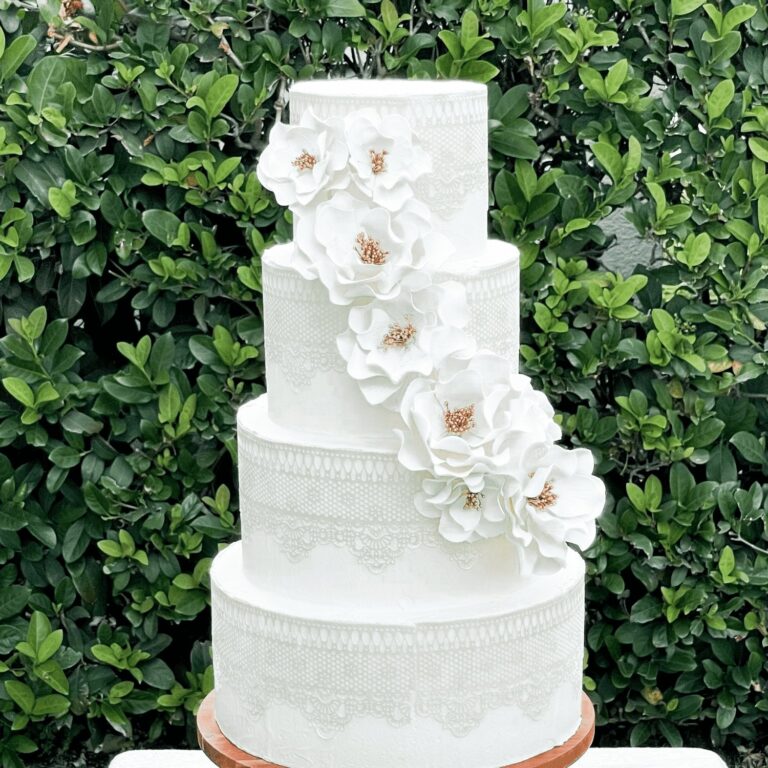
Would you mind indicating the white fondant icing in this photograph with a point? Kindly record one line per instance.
(449, 120)
(348, 630)
(332, 521)
(306, 376)
(482, 686)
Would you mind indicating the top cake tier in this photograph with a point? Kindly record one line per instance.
(449, 120)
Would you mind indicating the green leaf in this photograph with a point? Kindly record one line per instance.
(749, 447)
(725, 717)
(110, 548)
(759, 148)
(616, 76)
(389, 15)
(610, 159)
(20, 390)
(158, 674)
(39, 629)
(21, 694)
(738, 15)
(526, 179)
(65, 457)
(13, 600)
(479, 71)
(451, 42)
(592, 79)
(63, 199)
(52, 704)
(219, 94)
(35, 324)
(164, 225)
(645, 610)
(15, 55)
(543, 17)
(116, 718)
(50, 645)
(470, 29)
(344, 9)
(699, 250)
(75, 542)
(681, 482)
(51, 673)
(727, 562)
(720, 98)
(513, 104)
(48, 74)
(663, 320)
(684, 7)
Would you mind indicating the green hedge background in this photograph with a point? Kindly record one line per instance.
(131, 230)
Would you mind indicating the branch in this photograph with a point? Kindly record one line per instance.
(537, 110)
(280, 102)
(741, 540)
(224, 45)
(644, 34)
(68, 39)
(377, 59)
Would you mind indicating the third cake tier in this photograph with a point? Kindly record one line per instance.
(310, 389)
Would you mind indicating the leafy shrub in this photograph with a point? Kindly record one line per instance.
(131, 229)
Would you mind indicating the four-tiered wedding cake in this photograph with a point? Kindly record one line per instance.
(403, 594)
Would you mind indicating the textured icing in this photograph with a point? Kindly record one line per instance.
(365, 621)
(449, 119)
(334, 520)
(483, 687)
(304, 368)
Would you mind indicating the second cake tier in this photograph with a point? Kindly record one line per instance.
(310, 389)
(331, 520)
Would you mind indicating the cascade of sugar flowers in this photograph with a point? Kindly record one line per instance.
(482, 439)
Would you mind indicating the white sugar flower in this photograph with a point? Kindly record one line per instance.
(306, 161)
(479, 420)
(384, 159)
(556, 503)
(465, 515)
(389, 343)
(363, 252)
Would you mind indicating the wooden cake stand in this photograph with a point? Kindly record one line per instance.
(226, 755)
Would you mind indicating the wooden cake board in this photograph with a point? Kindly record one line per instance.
(225, 754)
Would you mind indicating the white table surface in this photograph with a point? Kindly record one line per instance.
(595, 758)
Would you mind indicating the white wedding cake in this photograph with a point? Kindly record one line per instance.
(404, 593)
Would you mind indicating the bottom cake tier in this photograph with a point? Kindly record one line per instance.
(480, 688)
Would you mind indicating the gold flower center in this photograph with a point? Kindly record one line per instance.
(378, 163)
(305, 161)
(473, 499)
(459, 420)
(399, 335)
(545, 499)
(370, 250)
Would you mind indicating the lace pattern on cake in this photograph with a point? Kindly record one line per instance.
(309, 497)
(453, 673)
(460, 109)
(460, 157)
(494, 311)
(301, 325)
